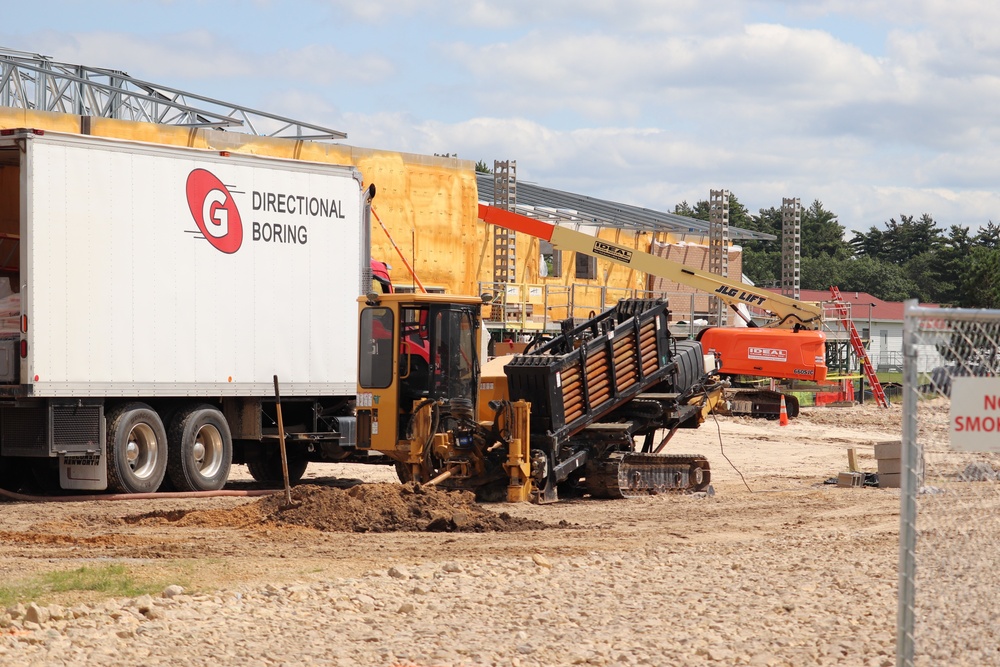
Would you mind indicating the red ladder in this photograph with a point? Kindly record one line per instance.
(859, 348)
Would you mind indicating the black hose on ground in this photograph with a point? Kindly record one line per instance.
(167, 495)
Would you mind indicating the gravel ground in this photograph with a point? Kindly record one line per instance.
(775, 568)
(598, 609)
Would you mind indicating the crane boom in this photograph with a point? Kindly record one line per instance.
(790, 313)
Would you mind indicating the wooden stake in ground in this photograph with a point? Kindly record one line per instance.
(281, 439)
(852, 460)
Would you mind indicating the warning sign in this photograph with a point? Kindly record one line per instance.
(974, 417)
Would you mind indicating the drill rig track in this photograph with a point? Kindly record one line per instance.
(631, 474)
(598, 386)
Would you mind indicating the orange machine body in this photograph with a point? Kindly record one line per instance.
(775, 353)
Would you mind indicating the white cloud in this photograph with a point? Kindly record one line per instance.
(652, 168)
(640, 101)
(202, 55)
(744, 75)
(190, 55)
(638, 15)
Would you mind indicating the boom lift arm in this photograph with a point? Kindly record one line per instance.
(790, 313)
(793, 347)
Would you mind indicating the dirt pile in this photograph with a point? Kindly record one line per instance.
(365, 508)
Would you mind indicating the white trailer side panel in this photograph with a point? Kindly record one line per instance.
(126, 294)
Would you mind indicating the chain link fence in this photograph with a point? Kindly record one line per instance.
(949, 556)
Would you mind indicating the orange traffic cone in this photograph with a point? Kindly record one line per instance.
(783, 415)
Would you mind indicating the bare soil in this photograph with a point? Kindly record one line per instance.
(366, 508)
(769, 481)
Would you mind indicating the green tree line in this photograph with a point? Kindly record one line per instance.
(901, 259)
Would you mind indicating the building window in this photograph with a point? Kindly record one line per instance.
(586, 267)
(551, 261)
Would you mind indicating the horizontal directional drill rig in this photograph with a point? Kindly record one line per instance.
(579, 415)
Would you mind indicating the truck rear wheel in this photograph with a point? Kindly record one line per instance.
(136, 450)
(200, 449)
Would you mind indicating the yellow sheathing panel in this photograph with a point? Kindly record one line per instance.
(428, 204)
(149, 133)
(613, 280)
(608, 273)
(618, 281)
(43, 120)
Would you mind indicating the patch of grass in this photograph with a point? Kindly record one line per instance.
(12, 594)
(112, 580)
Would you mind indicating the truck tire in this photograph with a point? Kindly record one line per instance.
(136, 451)
(200, 449)
(265, 465)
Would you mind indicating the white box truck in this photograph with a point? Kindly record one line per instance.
(155, 293)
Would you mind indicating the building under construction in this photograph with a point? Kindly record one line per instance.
(423, 203)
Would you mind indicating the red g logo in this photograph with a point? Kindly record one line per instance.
(214, 211)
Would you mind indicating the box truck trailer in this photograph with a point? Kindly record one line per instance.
(152, 295)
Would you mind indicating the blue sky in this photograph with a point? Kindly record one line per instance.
(874, 109)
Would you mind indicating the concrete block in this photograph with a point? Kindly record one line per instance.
(893, 449)
(850, 479)
(889, 480)
(889, 467)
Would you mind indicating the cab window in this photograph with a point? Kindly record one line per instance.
(376, 357)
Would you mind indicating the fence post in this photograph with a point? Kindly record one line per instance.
(908, 495)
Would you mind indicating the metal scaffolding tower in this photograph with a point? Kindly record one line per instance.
(718, 247)
(505, 197)
(791, 246)
(35, 82)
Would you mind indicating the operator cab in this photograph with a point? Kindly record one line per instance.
(414, 348)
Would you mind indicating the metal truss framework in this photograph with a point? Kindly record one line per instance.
(39, 83)
(559, 207)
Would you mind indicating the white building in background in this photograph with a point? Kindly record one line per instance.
(879, 324)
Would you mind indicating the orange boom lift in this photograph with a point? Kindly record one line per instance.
(792, 347)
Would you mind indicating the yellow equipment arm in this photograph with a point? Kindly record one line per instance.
(789, 312)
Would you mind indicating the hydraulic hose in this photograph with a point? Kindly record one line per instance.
(167, 495)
